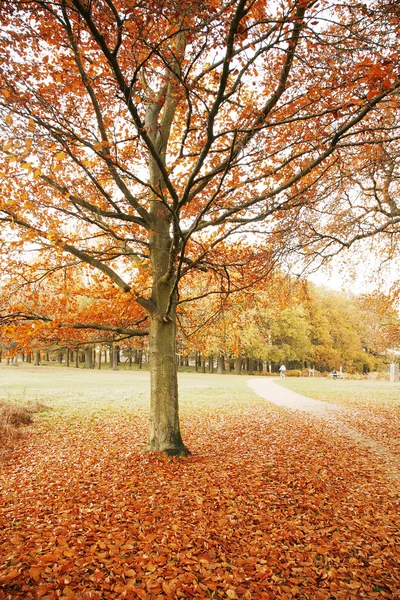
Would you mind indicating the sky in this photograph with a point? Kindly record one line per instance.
(359, 275)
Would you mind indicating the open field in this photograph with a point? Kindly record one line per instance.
(90, 391)
(271, 504)
(345, 391)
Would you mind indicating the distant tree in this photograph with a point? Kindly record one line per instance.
(379, 323)
(64, 306)
(290, 336)
(340, 328)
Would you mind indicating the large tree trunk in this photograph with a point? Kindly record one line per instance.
(130, 357)
(114, 360)
(164, 431)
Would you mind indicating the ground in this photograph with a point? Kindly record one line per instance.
(273, 502)
(364, 411)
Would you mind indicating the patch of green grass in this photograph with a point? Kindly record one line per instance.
(71, 390)
(345, 391)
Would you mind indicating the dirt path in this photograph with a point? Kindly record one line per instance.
(331, 413)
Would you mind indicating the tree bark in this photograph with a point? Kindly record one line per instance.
(130, 357)
(238, 365)
(114, 360)
(164, 430)
(88, 358)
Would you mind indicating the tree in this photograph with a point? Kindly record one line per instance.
(64, 307)
(379, 323)
(335, 328)
(149, 140)
(290, 336)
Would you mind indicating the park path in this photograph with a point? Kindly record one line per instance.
(331, 413)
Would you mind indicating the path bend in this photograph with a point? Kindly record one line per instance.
(270, 390)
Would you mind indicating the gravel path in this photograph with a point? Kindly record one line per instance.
(268, 389)
(275, 393)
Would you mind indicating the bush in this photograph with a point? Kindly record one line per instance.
(294, 373)
(12, 417)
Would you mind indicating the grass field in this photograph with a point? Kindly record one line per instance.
(345, 391)
(81, 390)
(272, 504)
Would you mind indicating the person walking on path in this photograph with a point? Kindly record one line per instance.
(282, 370)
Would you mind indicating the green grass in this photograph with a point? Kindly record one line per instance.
(83, 390)
(349, 392)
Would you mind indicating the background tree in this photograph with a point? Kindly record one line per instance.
(290, 337)
(297, 323)
(42, 304)
(140, 138)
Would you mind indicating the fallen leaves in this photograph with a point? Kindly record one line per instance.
(270, 505)
(371, 408)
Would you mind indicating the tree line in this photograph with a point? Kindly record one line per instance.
(297, 323)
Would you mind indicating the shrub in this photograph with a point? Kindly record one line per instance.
(294, 373)
(14, 415)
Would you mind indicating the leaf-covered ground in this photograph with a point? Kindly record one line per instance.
(271, 504)
(372, 407)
